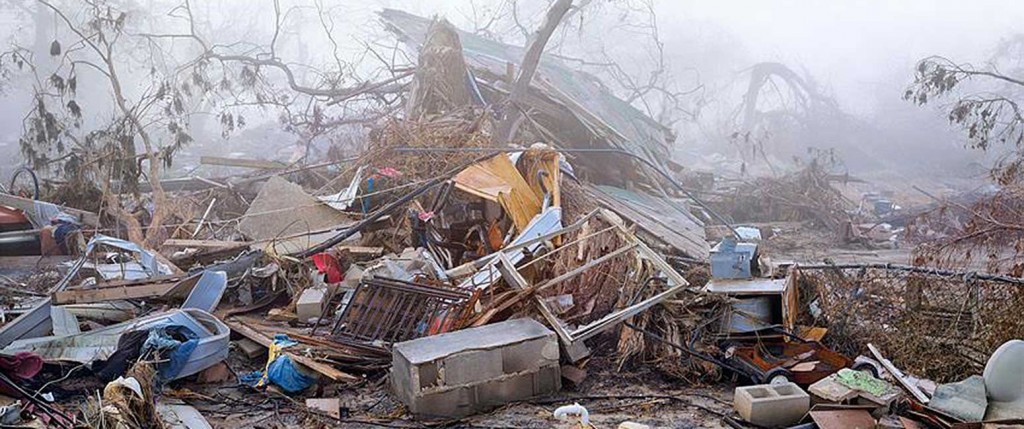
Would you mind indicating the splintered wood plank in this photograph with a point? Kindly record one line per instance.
(260, 338)
(242, 162)
(28, 206)
(114, 293)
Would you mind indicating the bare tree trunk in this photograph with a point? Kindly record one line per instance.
(439, 85)
(531, 60)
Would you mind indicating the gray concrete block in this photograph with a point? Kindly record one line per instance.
(771, 405)
(310, 304)
(530, 355)
(451, 403)
(548, 380)
(473, 366)
(509, 389)
(434, 347)
(459, 373)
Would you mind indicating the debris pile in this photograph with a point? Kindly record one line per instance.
(443, 275)
(805, 196)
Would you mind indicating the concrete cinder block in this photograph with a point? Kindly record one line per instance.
(530, 355)
(548, 379)
(429, 375)
(459, 373)
(509, 389)
(451, 403)
(473, 366)
(311, 303)
(771, 405)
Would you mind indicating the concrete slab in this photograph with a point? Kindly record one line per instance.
(965, 400)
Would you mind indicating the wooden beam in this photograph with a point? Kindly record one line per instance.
(28, 206)
(241, 162)
(512, 276)
(361, 250)
(204, 244)
(898, 375)
(324, 369)
(148, 289)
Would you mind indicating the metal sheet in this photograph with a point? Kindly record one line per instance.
(33, 324)
(658, 218)
(550, 220)
(64, 322)
(208, 291)
(755, 286)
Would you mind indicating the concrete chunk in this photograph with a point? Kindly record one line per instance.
(529, 356)
(330, 406)
(310, 304)
(771, 405)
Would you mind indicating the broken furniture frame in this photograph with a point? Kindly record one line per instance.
(391, 310)
(675, 281)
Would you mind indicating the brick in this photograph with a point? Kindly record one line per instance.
(575, 352)
(574, 375)
(771, 405)
(529, 356)
(472, 367)
(218, 373)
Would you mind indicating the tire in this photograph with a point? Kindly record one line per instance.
(776, 375)
(32, 175)
(866, 367)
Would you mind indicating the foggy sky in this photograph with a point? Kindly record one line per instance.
(863, 51)
(855, 45)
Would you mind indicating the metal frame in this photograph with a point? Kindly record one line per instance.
(391, 310)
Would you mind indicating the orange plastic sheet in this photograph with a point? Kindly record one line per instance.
(497, 179)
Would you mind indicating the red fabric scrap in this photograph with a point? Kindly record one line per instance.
(328, 264)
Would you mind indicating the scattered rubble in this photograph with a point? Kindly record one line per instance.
(440, 277)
